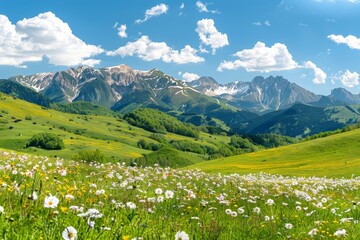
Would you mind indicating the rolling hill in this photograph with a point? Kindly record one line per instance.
(333, 156)
(301, 120)
(336, 155)
(17, 90)
(115, 137)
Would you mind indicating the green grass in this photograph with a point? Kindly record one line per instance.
(204, 206)
(334, 156)
(111, 135)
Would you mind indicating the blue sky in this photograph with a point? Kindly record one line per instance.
(314, 43)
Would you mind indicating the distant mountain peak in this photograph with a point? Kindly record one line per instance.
(259, 95)
(157, 72)
(343, 95)
(340, 90)
(120, 87)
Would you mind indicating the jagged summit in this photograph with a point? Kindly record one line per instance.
(259, 95)
(118, 87)
(344, 95)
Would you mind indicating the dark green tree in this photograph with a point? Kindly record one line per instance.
(47, 141)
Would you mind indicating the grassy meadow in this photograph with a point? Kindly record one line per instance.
(48, 198)
(333, 156)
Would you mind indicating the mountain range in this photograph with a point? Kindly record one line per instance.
(263, 95)
(119, 88)
(248, 107)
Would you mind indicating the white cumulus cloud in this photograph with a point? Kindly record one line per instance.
(188, 77)
(91, 62)
(262, 59)
(148, 50)
(45, 35)
(122, 31)
(203, 8)
(350, 79)
(319, 75)
(153, 12)
(351, 41)
(210, 36)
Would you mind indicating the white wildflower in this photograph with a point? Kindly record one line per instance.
(51, 202)
(69, 233)
(181, 235)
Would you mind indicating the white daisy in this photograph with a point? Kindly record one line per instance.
(131, 205)
(181, 235)
(158, 191)
(169, 194)
(51, 202)
(288, 226)
(69, 233)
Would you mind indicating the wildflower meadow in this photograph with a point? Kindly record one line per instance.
(43, 198)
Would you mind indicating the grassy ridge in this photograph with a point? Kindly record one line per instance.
(78, 132)
(117, 139)
(333, 156)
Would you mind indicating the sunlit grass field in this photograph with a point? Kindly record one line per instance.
(47, 198)
(334, 156)
(20, 120)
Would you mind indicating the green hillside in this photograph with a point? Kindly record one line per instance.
(113, 136)
(334, 156)
(301, 120)
(17, 90)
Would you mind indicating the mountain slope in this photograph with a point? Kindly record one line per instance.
(343, 95)
(259, 95)
(301, 120)
(123, 89)
(117, 139)
(17, 90)
(333, 156)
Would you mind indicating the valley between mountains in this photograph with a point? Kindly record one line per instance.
(147, 117)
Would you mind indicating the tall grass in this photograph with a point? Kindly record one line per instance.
(114, 201)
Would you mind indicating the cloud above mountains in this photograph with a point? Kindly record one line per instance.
(202, 7)
(351, 41)
(319, 75)
(350, 79)
(153, 12)
(262, 59)
(148, 50)
(210, 36)
(188, 77)
(122, 31)
(32, 39)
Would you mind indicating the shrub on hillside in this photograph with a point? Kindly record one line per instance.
(148, 145)
(166, 157)
(188, 146)
(90, 156)
(243, 143)
(159, 122)
(48, 141)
